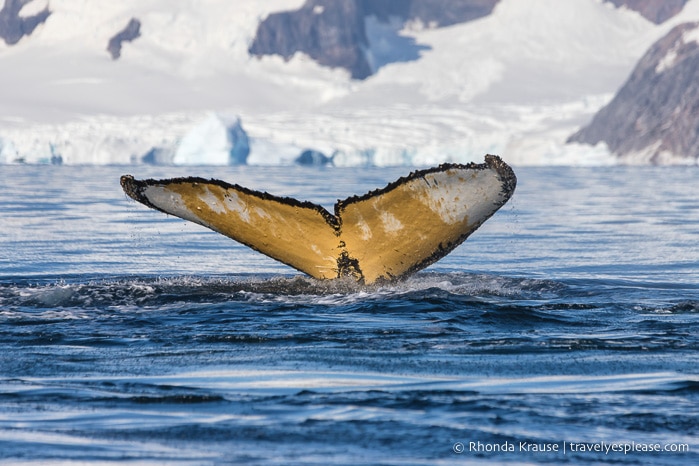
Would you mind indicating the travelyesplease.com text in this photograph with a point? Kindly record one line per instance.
(569, 447)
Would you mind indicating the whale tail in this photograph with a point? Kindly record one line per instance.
(383, 235)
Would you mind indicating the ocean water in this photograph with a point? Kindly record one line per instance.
(565, 330)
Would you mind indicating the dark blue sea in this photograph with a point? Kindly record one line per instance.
(564, 331)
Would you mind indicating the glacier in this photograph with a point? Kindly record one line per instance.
(516, 83)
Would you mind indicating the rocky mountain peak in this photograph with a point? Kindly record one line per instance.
(431, 13)
(329, 31)
(654, 114)
(131, 31)
(333, 32)
(657, 11)
(14, 26)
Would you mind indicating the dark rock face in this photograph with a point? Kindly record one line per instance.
(129, 33)
(333, 32)
(432, 13)
(13, 26)
(656, 112)
(657, 11)
(329, 31)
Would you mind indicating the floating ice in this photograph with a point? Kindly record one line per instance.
(218, 140)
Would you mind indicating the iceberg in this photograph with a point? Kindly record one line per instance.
(217, 140)
(313, 157)
(268, 151)
(8, 152)
(158, 156)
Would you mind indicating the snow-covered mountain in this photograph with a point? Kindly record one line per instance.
(654, 115)
(336, 33)
(516, 82)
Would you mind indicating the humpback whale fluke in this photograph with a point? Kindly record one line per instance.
(383, 235)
